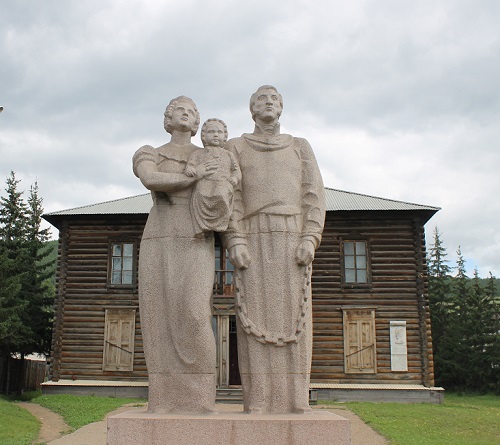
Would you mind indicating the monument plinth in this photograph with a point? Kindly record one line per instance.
(141, 427)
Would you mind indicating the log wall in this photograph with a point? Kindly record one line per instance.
(397, 259)
(397, 290)
(83, 294)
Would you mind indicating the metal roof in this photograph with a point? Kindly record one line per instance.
(336, 200)
(132, 205)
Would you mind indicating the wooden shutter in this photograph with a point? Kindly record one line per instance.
(360, 354)
(119, 333)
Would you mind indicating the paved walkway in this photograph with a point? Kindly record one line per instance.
(95, 433)
(53, 425)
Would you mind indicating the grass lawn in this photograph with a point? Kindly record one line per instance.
(79, 411)
(17, 426)
(461, 420)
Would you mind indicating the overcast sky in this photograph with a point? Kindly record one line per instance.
(398, 99)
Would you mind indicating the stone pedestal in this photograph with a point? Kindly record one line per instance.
(140, 427)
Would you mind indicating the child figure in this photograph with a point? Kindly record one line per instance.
(212, 197)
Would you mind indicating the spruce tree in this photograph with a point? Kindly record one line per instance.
(26, 290)
(455, 353)
(482, 337)
(13, 263)
(10, 309)
(494, 342)
(37, 286)
(439, 301)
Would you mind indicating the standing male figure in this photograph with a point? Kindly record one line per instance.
(275, 228)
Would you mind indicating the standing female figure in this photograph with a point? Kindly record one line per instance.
(176, 272)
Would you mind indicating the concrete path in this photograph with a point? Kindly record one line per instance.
(53, 425)
(95, 433)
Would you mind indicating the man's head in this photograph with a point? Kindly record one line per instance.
(189, 108)
(214, 132)
(266, 103)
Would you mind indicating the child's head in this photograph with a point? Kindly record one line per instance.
(214, 133)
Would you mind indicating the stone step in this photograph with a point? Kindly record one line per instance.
(235, 395)
(229, 395)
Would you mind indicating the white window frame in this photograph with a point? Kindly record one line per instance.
(355, 262)
(124, 265)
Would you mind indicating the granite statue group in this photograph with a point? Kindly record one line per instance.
(264, 194)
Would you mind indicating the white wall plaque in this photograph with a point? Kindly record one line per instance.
(399, 351)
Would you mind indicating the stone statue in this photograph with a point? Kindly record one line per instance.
(176, 272)
(212, 198)
(276, 225)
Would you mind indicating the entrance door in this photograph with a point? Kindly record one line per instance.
(234, 370)
(227, 351)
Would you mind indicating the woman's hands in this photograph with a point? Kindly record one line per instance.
(206, 169)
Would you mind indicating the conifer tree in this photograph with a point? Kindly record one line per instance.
(494, 341)
(454, 348)
(439, 300)
(481, 328)
(10, 310)
(26, 325)
(38, 288)
(14, 257)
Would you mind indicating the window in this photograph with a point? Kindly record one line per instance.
(223, 284)
(360, 353)
(119, 333)
(355, 262)
(122, 264)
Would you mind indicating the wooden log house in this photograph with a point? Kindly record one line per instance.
(372, 333)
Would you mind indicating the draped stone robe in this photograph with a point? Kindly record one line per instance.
(279, 204)
(176, 273)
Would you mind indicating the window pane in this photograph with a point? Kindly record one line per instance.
(217, 258)
(229, 265)
(349, 262)
(117, 250)
(116, 278)
(360, 247)
(128, 250)
(361, 275)
(349, 248)
(127, 277)
(127, 263)
(350, 276)
(361, 262)
(117, 264)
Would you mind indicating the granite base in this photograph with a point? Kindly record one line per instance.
(142, 428)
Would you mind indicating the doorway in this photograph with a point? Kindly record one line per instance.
(228, 373)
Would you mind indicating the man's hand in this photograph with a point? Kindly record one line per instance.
(239, 256)
(304, 254)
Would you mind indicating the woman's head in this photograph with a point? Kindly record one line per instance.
(189, 107)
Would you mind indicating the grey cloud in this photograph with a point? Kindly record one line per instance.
(398, 99)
